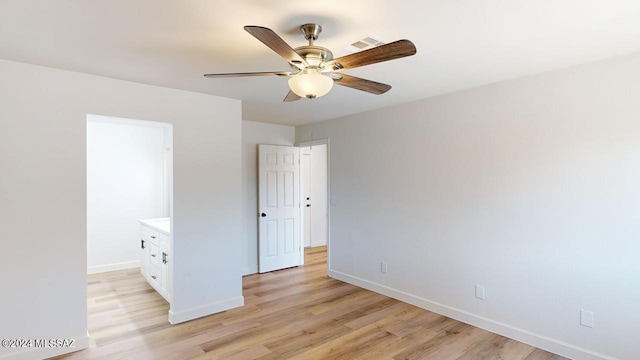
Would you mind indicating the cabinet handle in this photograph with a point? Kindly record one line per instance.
(153, 237)
(164, 257)
(142, 244)
(154, 277)
(154, 255)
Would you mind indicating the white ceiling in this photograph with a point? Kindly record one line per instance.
(172, 43)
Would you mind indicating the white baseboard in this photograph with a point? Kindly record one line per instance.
(318, 243)
(113, 267)
(249, 270)
(527, 337)
(186, 315)
(79, 343)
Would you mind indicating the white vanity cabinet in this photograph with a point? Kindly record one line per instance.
(155, 238)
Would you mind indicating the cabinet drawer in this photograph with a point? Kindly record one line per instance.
(154, 254)
(153, 275)
(149, 235)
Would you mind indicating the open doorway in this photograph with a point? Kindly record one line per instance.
(129, 179)
(314, 169)
(293, 192)
(313, 166)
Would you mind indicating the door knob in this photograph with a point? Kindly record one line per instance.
(263, 215)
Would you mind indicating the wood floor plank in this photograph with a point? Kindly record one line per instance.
(297, 313)
(516, 350)
(390, 307)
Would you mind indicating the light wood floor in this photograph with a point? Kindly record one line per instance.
(295, 313)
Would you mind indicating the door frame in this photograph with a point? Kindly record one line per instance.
(323, 141)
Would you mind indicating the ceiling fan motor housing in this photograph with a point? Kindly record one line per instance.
(314, 55)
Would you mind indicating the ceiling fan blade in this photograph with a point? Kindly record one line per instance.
(263, 73)
(386, 52)
(275, 43)
(360, 84)
(291, 96)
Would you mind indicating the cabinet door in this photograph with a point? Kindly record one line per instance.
(164, 267)
(144, 256)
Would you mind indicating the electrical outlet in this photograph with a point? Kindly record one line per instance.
(586, 318)
(480, 292)
(384, 267)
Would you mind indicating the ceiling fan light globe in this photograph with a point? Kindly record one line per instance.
(310, 84)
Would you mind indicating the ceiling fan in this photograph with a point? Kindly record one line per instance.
(314, 70)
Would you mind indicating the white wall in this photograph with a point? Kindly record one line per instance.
(125, 177)
(254, 133)
(527, 187)
(43, 196)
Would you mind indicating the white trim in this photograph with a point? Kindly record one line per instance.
(540, 341)
(80, 343)
(128, 121)
(249, 270)
(182, 316)
(113, 267)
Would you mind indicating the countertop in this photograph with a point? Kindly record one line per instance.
(162, 225)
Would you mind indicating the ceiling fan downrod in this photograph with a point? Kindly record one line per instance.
(311, 32)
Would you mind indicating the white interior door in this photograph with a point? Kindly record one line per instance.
(279, 207)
